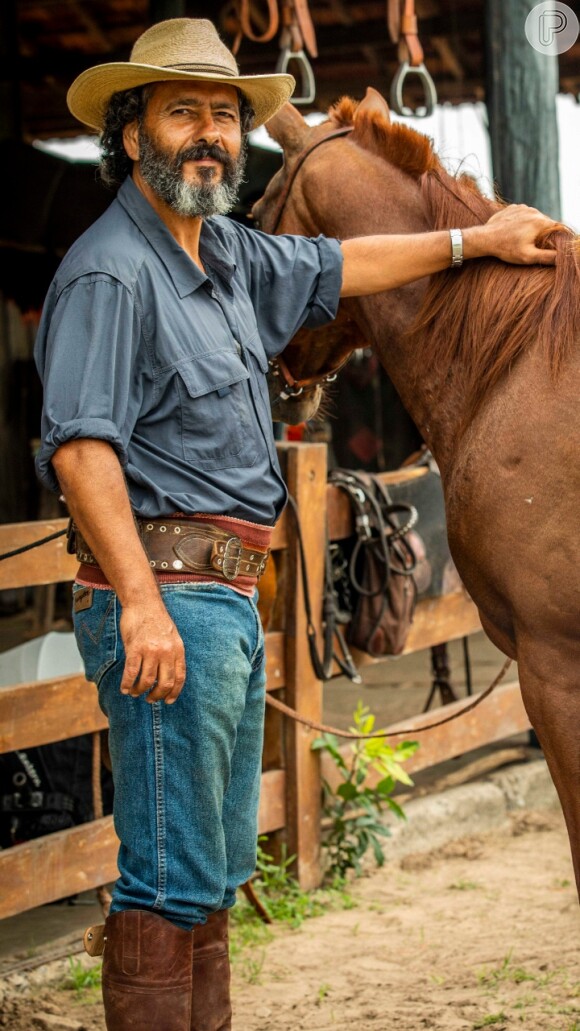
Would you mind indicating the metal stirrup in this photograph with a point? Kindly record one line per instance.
(307, 81)
(397, 104)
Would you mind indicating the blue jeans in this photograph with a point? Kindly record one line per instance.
(187, 775)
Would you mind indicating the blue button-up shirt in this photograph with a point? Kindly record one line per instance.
(139, 348)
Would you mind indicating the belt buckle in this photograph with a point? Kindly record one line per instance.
(232, 555)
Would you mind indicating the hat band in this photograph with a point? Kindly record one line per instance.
(219, 68)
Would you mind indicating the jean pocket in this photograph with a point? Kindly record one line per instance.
(96, 633)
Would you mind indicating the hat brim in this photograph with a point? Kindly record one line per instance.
(90, 93)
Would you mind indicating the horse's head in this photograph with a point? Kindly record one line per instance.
(324, 187)
(302, 204)
(292, 403)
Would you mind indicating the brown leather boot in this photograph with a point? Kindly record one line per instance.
(211, 1008)
(147, 965)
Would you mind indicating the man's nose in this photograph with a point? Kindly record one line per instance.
(206, 131)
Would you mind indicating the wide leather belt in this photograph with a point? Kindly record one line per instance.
(175, 546)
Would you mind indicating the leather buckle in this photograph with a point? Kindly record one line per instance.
(232, 554)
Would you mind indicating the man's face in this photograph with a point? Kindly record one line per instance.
(190, 146)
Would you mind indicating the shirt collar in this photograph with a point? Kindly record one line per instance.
(186, 275)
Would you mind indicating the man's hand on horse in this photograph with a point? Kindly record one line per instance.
(155, 656)
(512, 234)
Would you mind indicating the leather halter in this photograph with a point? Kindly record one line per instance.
(279, 210)
(291, 387)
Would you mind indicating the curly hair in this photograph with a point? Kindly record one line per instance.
(129, 106)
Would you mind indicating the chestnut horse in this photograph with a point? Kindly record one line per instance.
(487, 361)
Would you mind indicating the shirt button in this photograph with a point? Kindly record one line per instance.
(238, 346)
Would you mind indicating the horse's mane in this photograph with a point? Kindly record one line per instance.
(484, 317)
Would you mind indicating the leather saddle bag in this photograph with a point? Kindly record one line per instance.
(380, 591)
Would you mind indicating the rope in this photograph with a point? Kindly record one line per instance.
(323, 728)
(35, 544)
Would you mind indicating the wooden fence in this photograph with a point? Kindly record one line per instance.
(83, 857)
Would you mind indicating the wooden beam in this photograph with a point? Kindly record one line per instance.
(521, 88)
(437, 620)
(44, 711)
(48, 564)
(84, 857)
(305, 474)
(48, 710)
(499, 716)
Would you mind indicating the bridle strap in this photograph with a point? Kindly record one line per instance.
(299, 162)
(293, 387)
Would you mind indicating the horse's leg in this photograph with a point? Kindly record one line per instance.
(550, 681)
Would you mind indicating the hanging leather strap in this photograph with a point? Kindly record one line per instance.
(403, 27)
(246, 27)
(297, 20)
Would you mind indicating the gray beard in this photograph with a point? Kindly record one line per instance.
(164, 174)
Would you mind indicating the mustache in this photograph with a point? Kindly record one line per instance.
(201, 151)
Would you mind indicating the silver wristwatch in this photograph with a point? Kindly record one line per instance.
(456, 248)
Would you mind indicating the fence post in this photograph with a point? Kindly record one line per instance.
(305, 471)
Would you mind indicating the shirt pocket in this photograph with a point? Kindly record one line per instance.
(216, 416)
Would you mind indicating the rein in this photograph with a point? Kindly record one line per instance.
(290, 386)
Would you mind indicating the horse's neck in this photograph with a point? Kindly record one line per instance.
(390, 203)
(430, 395)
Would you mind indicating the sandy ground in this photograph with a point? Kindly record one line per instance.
(483, 933)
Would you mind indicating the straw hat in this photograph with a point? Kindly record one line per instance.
(180, 48)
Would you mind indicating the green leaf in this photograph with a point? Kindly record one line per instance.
(396, 808)
(385, 786)
(382, 831)
(347, 791)
(378, 852)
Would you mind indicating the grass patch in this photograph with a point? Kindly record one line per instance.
(490, 1020)
(81, 978)
(507, 971)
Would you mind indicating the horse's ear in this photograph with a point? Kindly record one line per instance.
(374, 108)
(288, 128)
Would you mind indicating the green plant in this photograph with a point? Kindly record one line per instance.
(354, 808)
(80, 977)
(492, 1018)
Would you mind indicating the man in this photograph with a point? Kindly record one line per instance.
(153, 350)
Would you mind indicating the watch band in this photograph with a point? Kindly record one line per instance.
(456, 248)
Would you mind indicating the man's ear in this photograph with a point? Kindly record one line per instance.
(131, 140)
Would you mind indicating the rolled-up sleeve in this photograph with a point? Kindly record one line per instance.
(85, 352)
(294, 281)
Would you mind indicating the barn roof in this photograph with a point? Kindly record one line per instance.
(57, 39)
